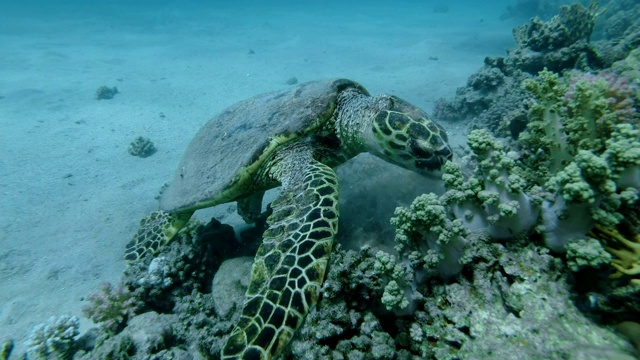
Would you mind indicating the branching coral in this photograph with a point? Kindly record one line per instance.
(142, 147)
(55, 338)
(111, 307)
(106, 93)
(626, 253)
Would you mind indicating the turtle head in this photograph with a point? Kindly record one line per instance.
(403, 134)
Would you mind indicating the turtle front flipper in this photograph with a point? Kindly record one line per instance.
(290, 264)
(155, 230)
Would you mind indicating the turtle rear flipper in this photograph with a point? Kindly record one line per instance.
(155, 230)
(290, 264)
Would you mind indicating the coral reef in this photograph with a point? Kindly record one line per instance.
(560, 43)
(54, 339)
(142, 147)
(188, 264)
(106, 93)
(582, 145)
(516, 290)
(572, 180)
(625, 252)
(577, 162)
(499, 304)
(493, 98)
(177, 284)
(150, 334)
(574, 23)
(619, 20)
(513, 290)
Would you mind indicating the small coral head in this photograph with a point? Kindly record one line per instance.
(403, 134)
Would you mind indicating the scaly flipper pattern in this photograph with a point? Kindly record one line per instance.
(290, 264)
(155, 230)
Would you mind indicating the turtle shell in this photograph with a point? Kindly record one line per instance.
(224, 154)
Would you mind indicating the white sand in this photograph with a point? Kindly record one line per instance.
(71, 196)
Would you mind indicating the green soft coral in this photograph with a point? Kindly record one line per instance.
(387, 265)
(546, 138)
(425, 229)
(586, 253)
(589, 120)
(623, 156)
(393, 297)
(567, 116)
(493, 197)
(603, 182)
(584, 178)
(583, 146)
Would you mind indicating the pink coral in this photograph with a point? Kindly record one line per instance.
(595, 104)
(111, 307)
(618, 92)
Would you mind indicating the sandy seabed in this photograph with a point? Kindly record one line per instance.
(71, 195)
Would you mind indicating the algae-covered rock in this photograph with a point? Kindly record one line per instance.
(106, 93)
(142, 147)
(572, 24)
(630, 67)
(229, 285)
(147, 336)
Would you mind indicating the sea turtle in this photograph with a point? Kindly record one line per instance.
(290, 138)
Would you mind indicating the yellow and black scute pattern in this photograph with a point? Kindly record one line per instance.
(290, 264)
(156, 229)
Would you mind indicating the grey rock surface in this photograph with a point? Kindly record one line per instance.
(229, 285)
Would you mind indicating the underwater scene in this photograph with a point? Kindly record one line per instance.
(338, 180)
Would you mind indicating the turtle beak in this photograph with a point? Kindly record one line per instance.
(425, 159)
(428, 161)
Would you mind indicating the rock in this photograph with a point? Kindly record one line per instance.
(229, 285)
(151, 331)
(142, 147)
(106, 93)
(146, 336)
